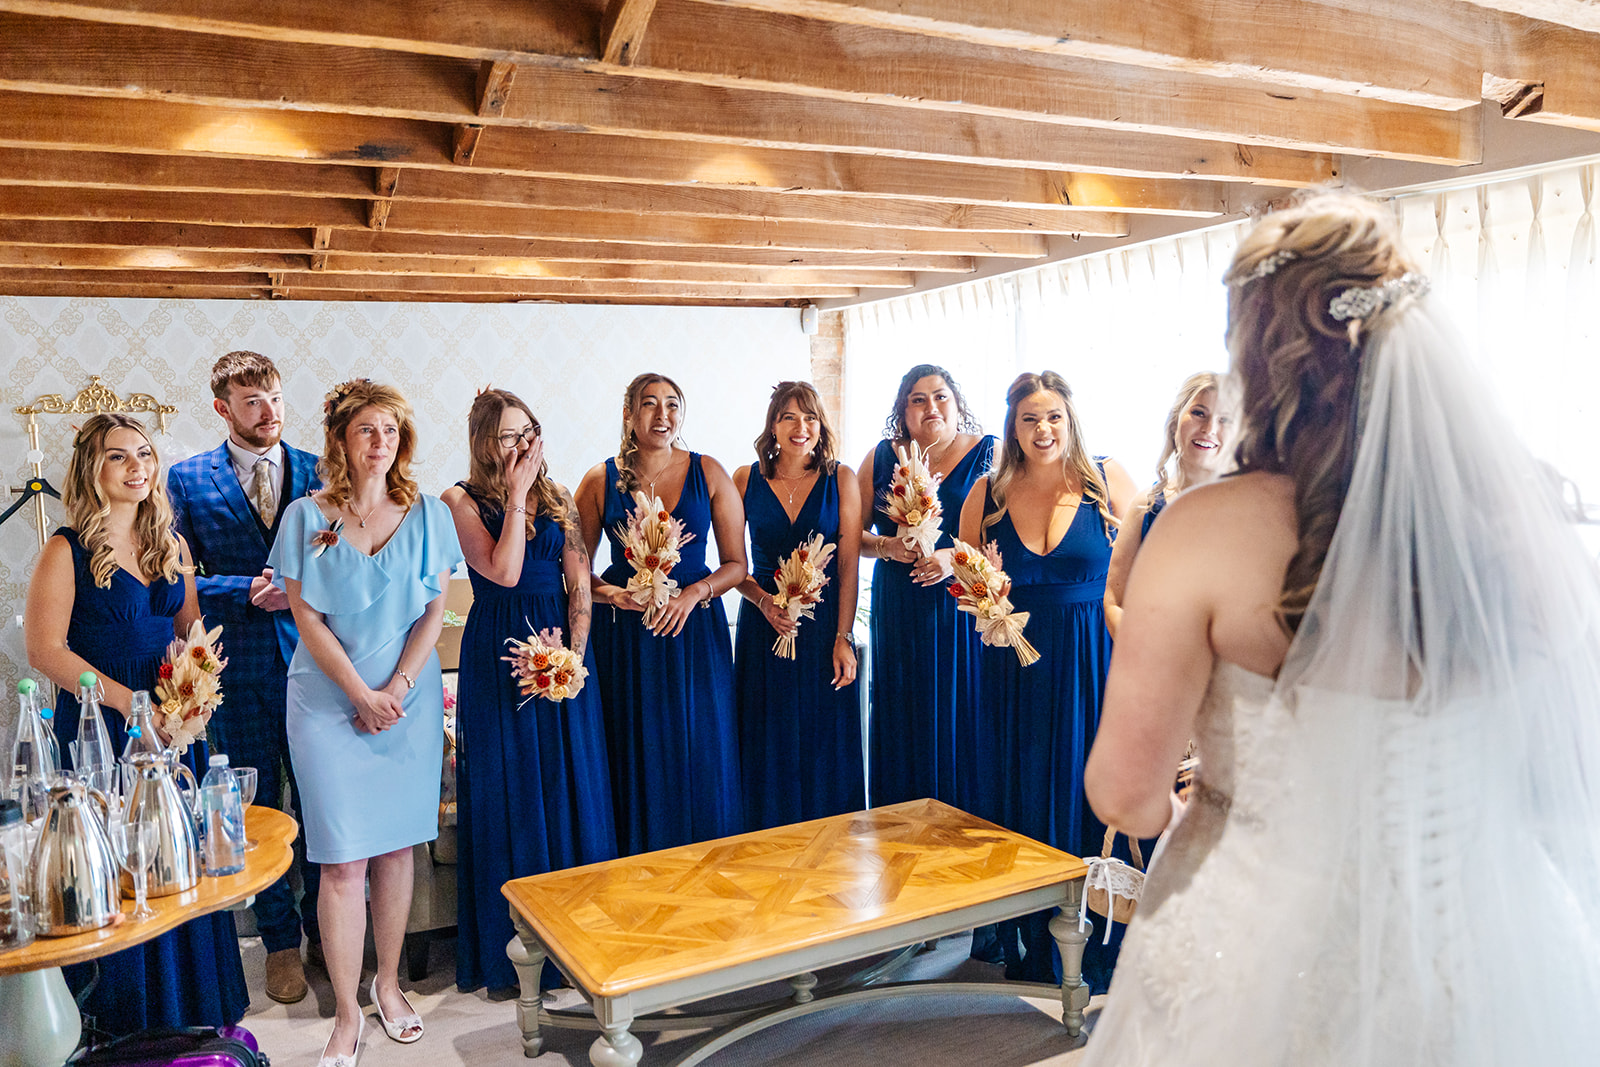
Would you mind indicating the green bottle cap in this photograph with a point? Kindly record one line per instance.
(26, 686)
(87, 678)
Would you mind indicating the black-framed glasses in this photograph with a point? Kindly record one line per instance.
(513, 438)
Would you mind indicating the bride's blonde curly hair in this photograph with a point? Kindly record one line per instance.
(1298, 369)
(87, 508)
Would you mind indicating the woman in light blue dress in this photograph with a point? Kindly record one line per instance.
(364, 561)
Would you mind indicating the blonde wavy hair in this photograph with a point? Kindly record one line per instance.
(1188, 393)
(340, 408)
(627, 480)
(1298, 368)
(1076, 464)
(486, 467)
(87, 508)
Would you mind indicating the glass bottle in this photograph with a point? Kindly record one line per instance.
(33, 759)
(142, 739)
(92, 757)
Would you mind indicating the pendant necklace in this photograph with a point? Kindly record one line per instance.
(786, 480)
(369, 514)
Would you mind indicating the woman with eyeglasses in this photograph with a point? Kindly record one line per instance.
(533, 790)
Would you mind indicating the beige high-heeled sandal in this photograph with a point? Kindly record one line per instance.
(326, 1060)
(398, 1029)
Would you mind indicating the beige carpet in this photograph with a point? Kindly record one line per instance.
(931, 1031)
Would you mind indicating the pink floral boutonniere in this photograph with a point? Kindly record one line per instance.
(323, 538)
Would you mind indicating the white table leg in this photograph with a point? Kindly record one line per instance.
(39, 1019)
(615, 1047)
(1070, 940)
(527, 956)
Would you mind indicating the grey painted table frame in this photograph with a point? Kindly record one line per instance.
(615, 1016)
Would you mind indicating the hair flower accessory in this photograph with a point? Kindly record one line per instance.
(1265, 266)
(323, 539)
(338, 393)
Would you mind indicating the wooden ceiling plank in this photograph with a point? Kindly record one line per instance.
(760, 50)
(144, 259)
(240, 240)
(540, 269)
(322, 239)
(452, 220)
(384, 180)
(39, 167)
(622, 31)
(1578, 14)
(552, 286)
(138, 290)
(1370, 50)
(104, 290)
(240, 279)
(192, 131)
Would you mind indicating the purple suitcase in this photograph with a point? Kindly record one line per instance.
(197, 1046)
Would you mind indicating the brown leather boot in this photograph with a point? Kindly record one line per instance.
(286, 977)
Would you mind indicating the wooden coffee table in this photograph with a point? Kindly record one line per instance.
(650, 932)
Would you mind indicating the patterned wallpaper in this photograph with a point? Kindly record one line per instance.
(569, 362)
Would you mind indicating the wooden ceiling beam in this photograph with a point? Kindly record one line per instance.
(200, 71)
(93, 170)
(494, 85)
(238, 240)
(453, 220)
(495, 270)
(199, 289)
(1579, 14)
(622, 30)
(112, 290)
(760, 50)
(533, 288)
(168, 140)
(1373, 49)
(384, 182)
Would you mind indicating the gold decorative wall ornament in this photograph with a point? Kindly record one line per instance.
(95, 398)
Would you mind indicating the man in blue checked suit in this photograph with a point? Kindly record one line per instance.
(228, 502)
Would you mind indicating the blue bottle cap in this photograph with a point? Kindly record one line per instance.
(47, 713)
(134, 731)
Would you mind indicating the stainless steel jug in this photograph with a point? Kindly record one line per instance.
(74, 876)
(175, 864)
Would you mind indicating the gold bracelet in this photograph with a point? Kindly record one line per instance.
(409, 683)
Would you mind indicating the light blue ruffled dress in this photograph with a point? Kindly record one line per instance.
(366, 794)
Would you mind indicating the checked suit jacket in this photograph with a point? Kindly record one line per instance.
(229, 544)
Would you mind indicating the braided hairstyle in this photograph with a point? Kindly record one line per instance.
(627, 479)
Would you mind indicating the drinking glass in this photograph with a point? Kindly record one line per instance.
(248, 777)
(135, 843)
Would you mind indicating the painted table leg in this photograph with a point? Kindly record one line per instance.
(527, 956)
(1070, 940)
(38, 1018)
(615, 1047)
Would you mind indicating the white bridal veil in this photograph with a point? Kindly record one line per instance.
(1438, 867)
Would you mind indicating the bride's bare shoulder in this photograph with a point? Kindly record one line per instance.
(1252, 503)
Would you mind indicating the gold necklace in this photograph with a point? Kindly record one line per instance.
(796, 481)
(651, 481)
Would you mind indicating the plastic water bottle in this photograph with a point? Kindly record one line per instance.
(92, 757)
(33, 757)
(221, 820)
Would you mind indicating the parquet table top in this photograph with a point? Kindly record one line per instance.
(635, 922)
(274, 834)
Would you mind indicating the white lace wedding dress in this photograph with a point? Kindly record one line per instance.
(1392, 854)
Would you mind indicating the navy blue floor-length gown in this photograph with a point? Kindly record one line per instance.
(533, 789)
(799, 737)
(1037, 723)
(924, 653)
(192, 975)
(668, 701)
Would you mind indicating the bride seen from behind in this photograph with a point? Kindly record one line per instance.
(1383, 635)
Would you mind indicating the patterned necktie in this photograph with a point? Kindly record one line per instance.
(261, 492)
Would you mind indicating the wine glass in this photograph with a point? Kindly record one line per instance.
(135, 845)
(248, 777)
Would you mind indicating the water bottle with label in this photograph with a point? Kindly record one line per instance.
(221, 820)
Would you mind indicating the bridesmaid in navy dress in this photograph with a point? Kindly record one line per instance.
(799, 719)
(923, 660)
(110, 592)
(533, 790)
(1195, 453)
(667, 689)
(1047, 515)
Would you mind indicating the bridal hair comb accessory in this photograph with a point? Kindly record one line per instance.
(338, 393)
(1365, 301)
(1265, 266)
